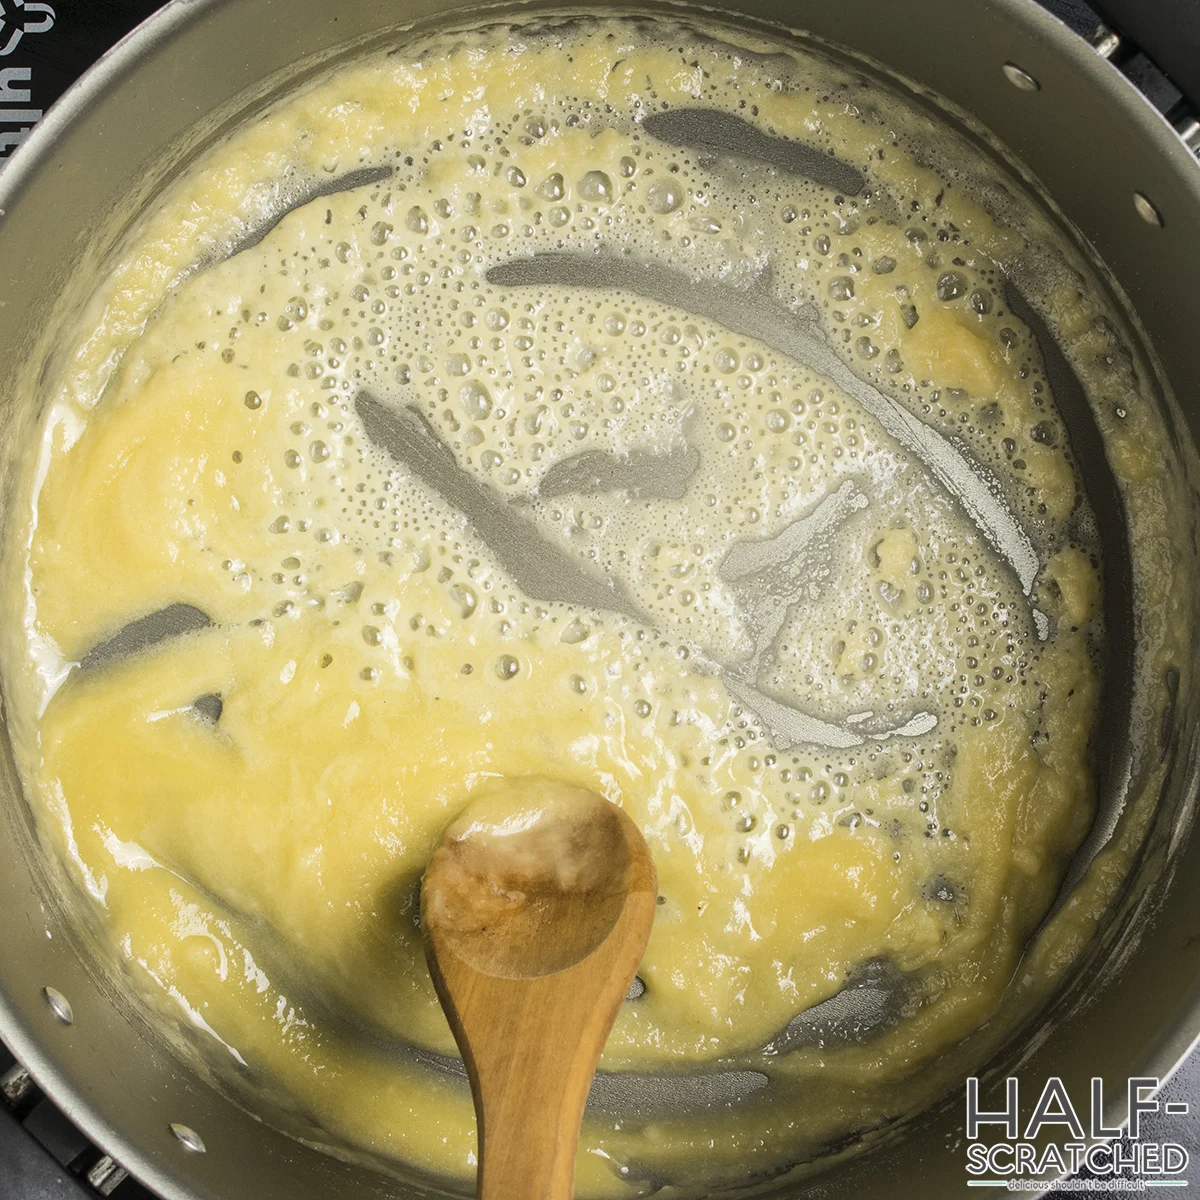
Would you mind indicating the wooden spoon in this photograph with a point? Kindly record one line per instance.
(536, 909)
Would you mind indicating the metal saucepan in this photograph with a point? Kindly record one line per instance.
(1111, 168)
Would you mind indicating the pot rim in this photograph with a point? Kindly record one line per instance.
(110, 72)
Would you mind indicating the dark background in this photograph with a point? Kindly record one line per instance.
(42, 1156)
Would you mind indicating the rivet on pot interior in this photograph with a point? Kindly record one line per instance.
(1021, 78)
(188, 1138)
(60, 1006)
(1146, 210)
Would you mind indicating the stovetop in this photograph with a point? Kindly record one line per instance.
(45, 45)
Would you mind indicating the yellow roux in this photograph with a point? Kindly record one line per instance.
(375, 663)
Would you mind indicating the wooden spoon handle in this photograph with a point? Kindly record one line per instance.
(531, 1084)
(531, 1047)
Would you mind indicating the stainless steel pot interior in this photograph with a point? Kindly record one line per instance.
(189, 72)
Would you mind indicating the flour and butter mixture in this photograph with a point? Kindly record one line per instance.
(608, 403)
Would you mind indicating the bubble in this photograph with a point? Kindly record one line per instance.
(417, 220)
(516, 177)
(951, 286)
(981, 302)
(458, 364)
(596, 187)
(380, 232)
(553, 187)
(777, 420)
(497, 319)
(726, 360)
(664, 197)
(466, 598)
(841, 288)
(535, 127)
(292, 458)
(372, 635)
(318, 451)
(507, 667)
(475, 400)
(884, 265)
(642, 708)
(726, 432)
(253, 400)
(574, 633)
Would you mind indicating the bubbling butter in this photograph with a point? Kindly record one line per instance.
(697, 477)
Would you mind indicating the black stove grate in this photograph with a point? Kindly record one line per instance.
(43, 1156)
